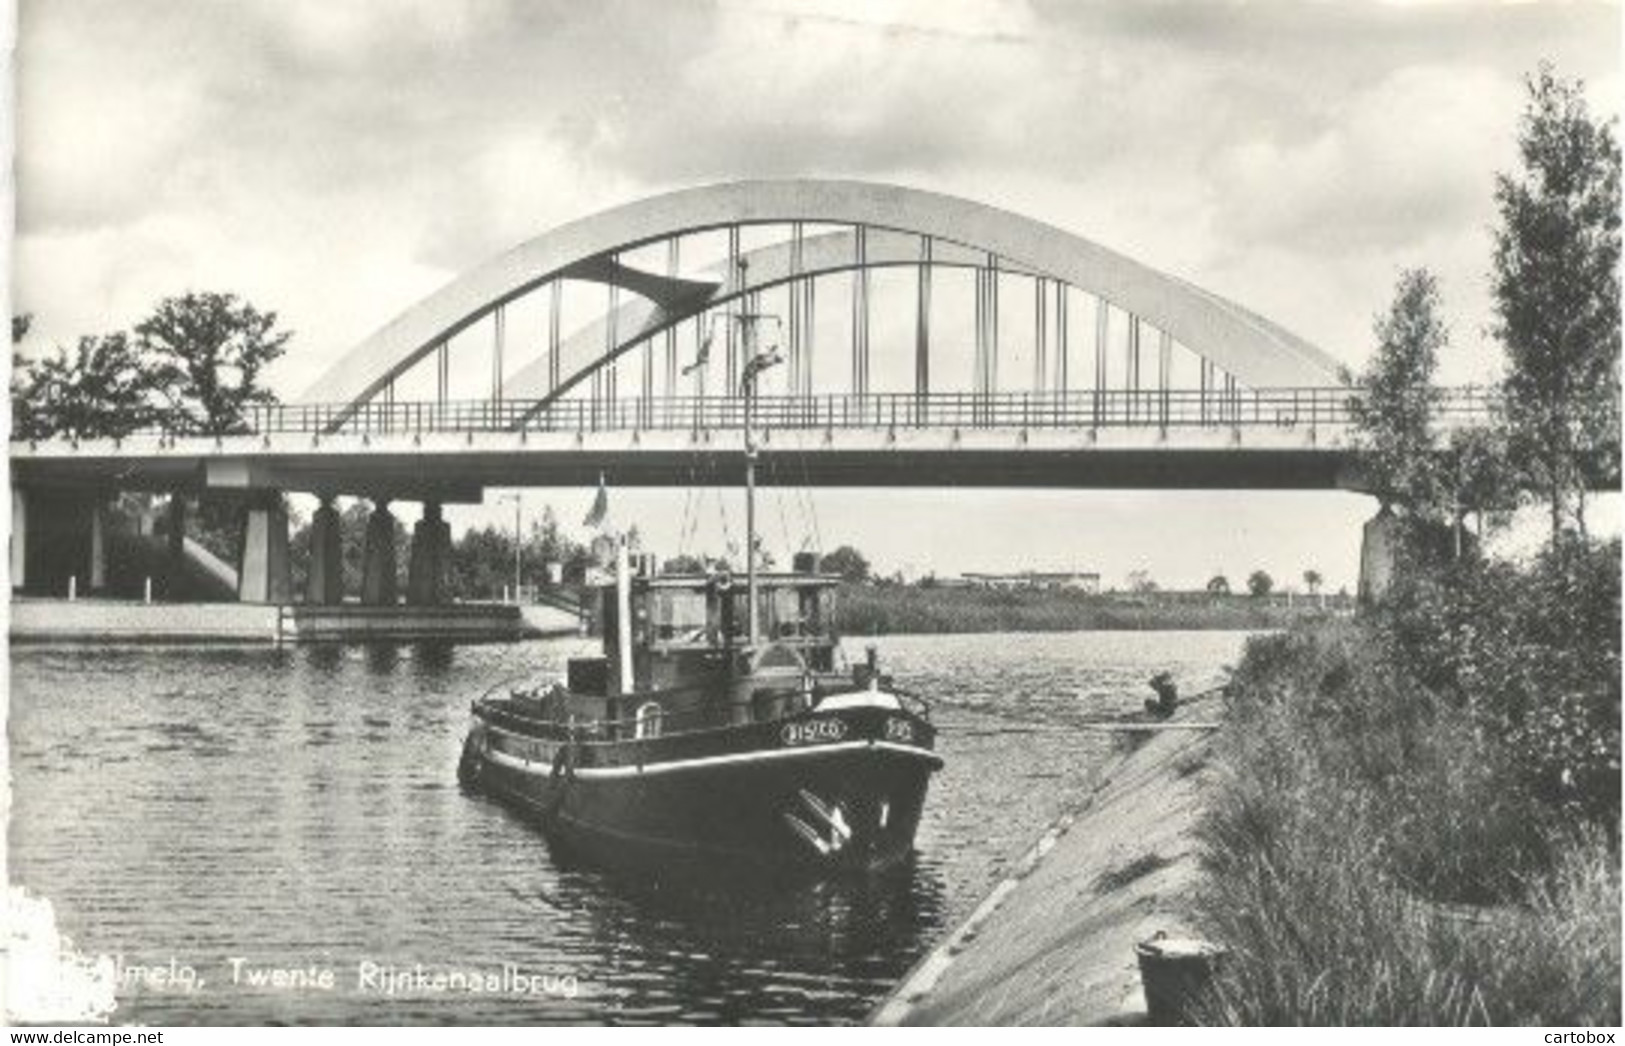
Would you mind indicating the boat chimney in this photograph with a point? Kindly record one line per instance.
(623, 618)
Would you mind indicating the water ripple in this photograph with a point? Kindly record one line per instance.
(299, 807)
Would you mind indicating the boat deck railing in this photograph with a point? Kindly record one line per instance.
(670, 724)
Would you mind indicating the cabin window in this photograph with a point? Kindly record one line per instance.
(785, 614)
(816, 610)
(648, 720)
(679, 616)
(736, 613)
(770, 608)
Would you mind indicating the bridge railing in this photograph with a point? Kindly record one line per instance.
(1280, 408)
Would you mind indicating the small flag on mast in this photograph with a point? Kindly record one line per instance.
(600, 506)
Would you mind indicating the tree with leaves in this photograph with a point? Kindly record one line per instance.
(1312, 580)
(684, 564)
(1218, 585)
(847, 562)
(207, 351)
(1394, 411)
(1260, 583)
(99, 390)
(26, 422)
(1477, 477)
(1557, 297)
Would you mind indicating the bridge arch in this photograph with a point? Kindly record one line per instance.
(1249, 348)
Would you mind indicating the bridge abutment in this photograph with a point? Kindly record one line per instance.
(59, 540)
(378, 584)
(264, 572)
(431, 547)
(324, 581)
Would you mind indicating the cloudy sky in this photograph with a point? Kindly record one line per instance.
(337, 160)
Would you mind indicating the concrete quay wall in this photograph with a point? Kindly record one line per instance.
(1053, 943)
(111, 621)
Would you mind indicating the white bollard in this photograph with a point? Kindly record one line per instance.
(148, 590)
(73, 587)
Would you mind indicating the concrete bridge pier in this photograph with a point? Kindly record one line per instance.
(378, 558)
(431, 554)
(1379, 551)
(324, 582)
(19, 538)
(175, 529)
(98, 544)
(264, 573)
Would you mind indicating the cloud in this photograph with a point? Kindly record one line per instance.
(343, 158)
(1410, 154)
(326, 32)
(91, 150)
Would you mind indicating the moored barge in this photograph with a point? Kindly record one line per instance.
(685, 742)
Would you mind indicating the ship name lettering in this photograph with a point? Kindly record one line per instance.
(813, 731)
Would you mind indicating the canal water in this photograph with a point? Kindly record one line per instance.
(277, 836)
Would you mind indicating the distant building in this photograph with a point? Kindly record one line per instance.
(1072, 579)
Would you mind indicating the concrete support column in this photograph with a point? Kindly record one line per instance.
(263, 572)
(97, 573)
(175, 528)
(431, 555)
(378, 558)
(1379, 552)
(19, 538)
(324, 583)
(175, 570)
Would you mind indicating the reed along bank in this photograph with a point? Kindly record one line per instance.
(923, 609)
(1417, 815)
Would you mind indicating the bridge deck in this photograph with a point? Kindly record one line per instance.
(1268, 439)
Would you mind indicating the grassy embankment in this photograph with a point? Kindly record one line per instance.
(1417, 822)
(904, 609)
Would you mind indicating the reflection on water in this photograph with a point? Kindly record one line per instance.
(253, 813)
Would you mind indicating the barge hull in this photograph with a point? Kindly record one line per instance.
(852, 805)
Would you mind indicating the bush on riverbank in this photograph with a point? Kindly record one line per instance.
(1417, 821)
(866, 610)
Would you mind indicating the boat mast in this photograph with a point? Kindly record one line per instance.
(755, 363)
(749, 334)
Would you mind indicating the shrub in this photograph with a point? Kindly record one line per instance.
(1531, 655)
(1414, 821)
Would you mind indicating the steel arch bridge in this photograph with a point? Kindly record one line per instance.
(927, 341)
(652, 336)
(1006, 352)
